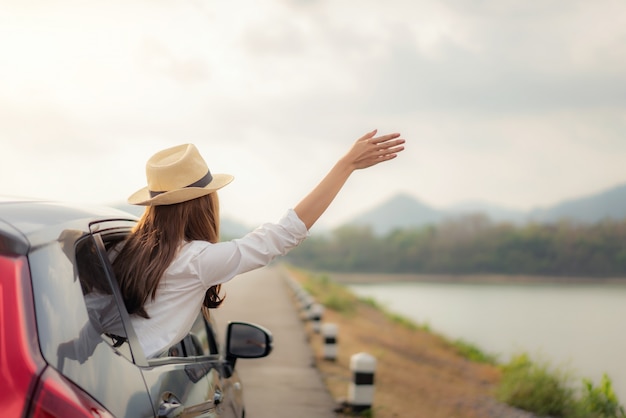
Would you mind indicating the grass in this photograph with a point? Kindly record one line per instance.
(330, 294)
(599, 401)
(473, 353)
(533, 387)
(537, 387)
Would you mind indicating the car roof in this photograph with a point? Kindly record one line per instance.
(35, 221)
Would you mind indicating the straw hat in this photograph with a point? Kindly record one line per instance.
(176, 175)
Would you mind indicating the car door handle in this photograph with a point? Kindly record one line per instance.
(170, 406)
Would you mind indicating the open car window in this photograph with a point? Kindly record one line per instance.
(104, 313)
(201, 339)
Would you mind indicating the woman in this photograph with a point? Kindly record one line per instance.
(172, 264)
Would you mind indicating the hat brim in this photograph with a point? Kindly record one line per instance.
(142, 197)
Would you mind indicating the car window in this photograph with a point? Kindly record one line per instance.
(103, 310)
(199, 342)
(70, 323)
(74, 309)
(59, 308)
(201, 339)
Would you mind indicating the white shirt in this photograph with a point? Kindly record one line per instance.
(200, 265)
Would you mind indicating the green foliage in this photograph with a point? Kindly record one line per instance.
(473, 245)
(394, 317)
(370, 302)
(473, 353)
(599, 401)
(339, 298)
(330, 294)
(533, 387)
(339, 303)
(401, 320)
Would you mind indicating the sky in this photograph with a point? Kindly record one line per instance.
(516, 103)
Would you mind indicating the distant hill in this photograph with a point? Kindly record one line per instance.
(398, 212)
(403, 211)
(609, 204)
(493, 212)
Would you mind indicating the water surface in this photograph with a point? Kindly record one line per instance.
(578, 327)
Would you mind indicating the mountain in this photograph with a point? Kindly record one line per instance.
(404, 211)
(609, 204)
(398, 212)
(493, 212)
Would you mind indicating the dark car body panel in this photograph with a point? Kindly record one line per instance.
(61, 318)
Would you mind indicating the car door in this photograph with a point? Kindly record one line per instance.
(190, 375)
(188, 379)
(65, 275)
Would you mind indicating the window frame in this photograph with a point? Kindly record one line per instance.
(103, 232)
(120, 344)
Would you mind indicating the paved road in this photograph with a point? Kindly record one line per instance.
(285, 384)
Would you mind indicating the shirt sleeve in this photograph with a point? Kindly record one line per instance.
(220, 262)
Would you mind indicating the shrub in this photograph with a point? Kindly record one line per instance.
(401, 320)
(394, 317)
(473, 353)
(533, 387)
(370, 301)
(599, 401)
(330, 294)
(339, 302)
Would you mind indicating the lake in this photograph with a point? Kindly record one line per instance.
(579, 327)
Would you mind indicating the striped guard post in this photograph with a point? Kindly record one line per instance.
(361, 389)
(329, 332)
(316, 311)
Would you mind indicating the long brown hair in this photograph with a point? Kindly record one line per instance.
(154, 242)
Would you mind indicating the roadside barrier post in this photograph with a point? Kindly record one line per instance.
(315, 315)
(306, 300)
(329, 331)
(361, 389)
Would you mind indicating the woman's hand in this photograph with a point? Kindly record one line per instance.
(365, 152)
(370, 150)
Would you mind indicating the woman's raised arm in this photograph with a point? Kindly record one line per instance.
(367, 151)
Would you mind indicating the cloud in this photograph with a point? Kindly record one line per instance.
(157, 58)
(520, 103)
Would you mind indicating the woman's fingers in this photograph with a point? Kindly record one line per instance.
(381, 152)
(384, 138)
(370, 150)
(392, 150)
(368, 136)
(388, 152)
(389, 146)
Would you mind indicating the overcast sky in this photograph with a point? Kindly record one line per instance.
(516, 103)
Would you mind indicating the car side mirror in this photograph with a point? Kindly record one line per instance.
(246, 340)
